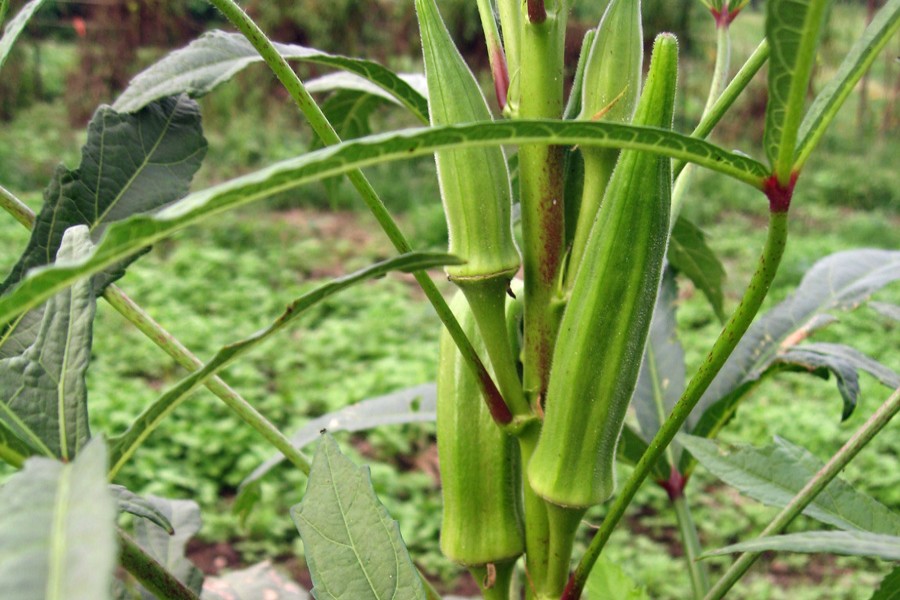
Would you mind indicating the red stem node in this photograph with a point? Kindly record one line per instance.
(537, 13)
(779, 195)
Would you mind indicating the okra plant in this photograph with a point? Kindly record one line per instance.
(562, 324)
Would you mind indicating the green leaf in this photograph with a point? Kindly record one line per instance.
(847, 543)
(891, 311)
(261, 581)
(129, 502)
(15, 27)
(412, 405)
(792, 28)
(661, 379)
(334, 82)
(169, 549)
(43, 395)
(631, 448)
(840, 281)
(13, 449)
(609, 580)
(57, 530)
(126, 444)
(123, 239)
(352, 546)
(889, 588)
(691, 256)
(844, 362)
(861, 56)
(217, 56)
(774, 474)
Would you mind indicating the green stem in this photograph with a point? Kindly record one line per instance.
(169, 344)
(691, 544)
(564, 524)
(322, 127)
(430, 592)
(149, 573)
(511, 26)
(813, 488)
(4, 8)
(729, 337)
(537, 525)
(494, 580)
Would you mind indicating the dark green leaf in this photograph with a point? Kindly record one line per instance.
(353, 547)
(692, 257)
(169, 549)
(123, 239)
(129, 502)
(632, 447)
(125, 445)
(13, 449)
(15, 27)
(57, 530)
(889, 588)
(608, 580)
(774, 474)
(848, 543)
(412, 405)
(261, 581)
(844, 362)
(43, 395)
(217, 56)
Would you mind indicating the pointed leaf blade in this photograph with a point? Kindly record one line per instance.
(609, 580)
(51, 512)
(15, 27)
(889, 588)
(169, 549)
(129, 502)
(353, 547)
(690, 255)
(847, 543)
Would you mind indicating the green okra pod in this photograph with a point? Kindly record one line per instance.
(604, 327)
(480, 467)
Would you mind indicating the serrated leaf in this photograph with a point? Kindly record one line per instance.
(792, 29)
(352, 546)
(126, 444)
(129, 502)
(123, 239)
(774, 474)
(608, 580)
(844, 362)
(661, 379)
(691, 256)
(416, 404)
(169, 550)
(15, 27)
(889, 588)
(841, 281)
(53, 513)
(891, 311)
(862, 54)
(847, 543)
(261, 581)
(43, 394)
(217, 56)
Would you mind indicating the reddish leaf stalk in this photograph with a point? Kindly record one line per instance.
(537, 13)
(725, 16)
(501, 74)
(780, 195)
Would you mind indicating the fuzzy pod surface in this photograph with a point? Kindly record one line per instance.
(604, 327)
(479, 463)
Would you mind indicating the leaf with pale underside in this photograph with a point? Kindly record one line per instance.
(352, 546)
(57, 530)
(123, 239)
(129, 502)
(259, 582)
(169, 548)
(846, 543)
(15, 27)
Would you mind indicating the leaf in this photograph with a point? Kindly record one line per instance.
(128, 501)
(891, 311)
(840, 281)
(857, 61)
(123, 239)
(690, 255)
(333, 82)
(632, 447)
(609, 580)
(792, 28)
(774, 474)
(661, 378)
(889, 588)
(352, 546)
(844, 362)
(13, 449)
(169, 550)
(43, 394)
(15, 27)
(411, 405)
(217, 56)
(126, 444)
(847, 543)
(261, 581)
(57, 530)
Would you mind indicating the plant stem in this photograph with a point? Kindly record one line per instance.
(813, 488)
(149, 573)
(537, 526)
(496, 55)
(691, 544)
(511, 26)
(729, 337)
(4, 8)
(494, 580)
(322, 127)
(167, 342)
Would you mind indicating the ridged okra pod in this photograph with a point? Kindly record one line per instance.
(480, 468)
(609, 92)
(476, 194)
(604, 327)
